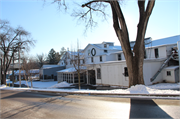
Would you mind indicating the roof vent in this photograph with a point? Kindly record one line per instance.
(147, 41)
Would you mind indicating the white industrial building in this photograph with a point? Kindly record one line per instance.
(105, 63)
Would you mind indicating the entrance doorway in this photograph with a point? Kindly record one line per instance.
(91, 77)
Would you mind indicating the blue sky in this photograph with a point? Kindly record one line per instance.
(54, 28)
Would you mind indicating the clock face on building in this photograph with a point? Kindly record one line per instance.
(93, 52)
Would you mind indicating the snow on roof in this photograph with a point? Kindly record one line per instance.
(106, 42)
(49, 66)
(172, 67)
(164, 41)
(72, 69)
(33, 71)
(75, 53)
(109, 48)
(115, 48)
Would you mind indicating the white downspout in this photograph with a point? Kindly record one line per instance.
(178, 44)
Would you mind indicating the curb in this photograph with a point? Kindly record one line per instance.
(110, 94)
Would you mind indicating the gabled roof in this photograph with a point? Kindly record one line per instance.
(49, 66)
(93, 45)
(109, 48)
(164, 41)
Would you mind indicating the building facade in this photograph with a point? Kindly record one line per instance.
(105, 63)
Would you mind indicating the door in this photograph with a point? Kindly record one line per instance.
(91, 77)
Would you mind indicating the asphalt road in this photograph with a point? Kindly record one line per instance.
(18, 104)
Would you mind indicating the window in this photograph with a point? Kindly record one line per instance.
(105, 51)
(100, 58)
(98, 73)
(145, 56)
(126, 72)
(105, 45)
(83, 61)
(168, 73)
(92, 60)
(156, 53)
(89, 53)
(119, 57)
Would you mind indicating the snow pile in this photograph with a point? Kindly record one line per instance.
(2, 86)
(138, 89)
(154, 89)
(62, 84)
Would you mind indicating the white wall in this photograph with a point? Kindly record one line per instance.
(111, 57)
(171, 78)
(112, 74)
(150, 67)
(164, 51)
(98, 51)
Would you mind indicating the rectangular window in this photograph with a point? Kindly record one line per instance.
(145, 56)
(100, 58)
(105, 51)
(126, 72)
(105, 45)
(168, 73)
(88, 52)
(83, 61)
(156, 52)
(98, 73)
(92, 60)
(119, 57)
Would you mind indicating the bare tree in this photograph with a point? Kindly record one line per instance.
(77, 59)
(134, 58)
(41, 59)
(11, 41)
(28, 65)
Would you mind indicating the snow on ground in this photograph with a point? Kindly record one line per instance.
(165, 86)
(38, 84)
(162, 88)
(62, 84)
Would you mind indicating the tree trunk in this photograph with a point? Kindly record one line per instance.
(3, 78)
(135, 58)
(31, 83)
(79, 80)
(4, 72)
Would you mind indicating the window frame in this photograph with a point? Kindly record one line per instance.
(156, 53)
(92, 59)
(105, 51)
(89, 52)
(105, 45)
(168, 73)
(126, 72)
(100, 58)
(98, 73)
(119, 57)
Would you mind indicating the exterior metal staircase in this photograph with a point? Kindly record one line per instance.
(162, 66)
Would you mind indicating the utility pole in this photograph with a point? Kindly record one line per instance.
(19, 69)
(13, 70)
